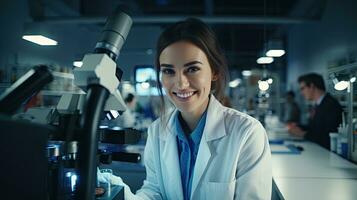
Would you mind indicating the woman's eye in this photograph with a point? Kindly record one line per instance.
(167, 71)
(192, 69)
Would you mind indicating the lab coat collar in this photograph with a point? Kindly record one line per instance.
(214, 121)
(214, 129)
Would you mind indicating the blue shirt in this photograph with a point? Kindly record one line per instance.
(188, 149)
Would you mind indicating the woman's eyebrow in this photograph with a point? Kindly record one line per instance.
(167, 65)
(192, 63)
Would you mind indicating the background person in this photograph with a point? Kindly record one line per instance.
(326, 115)
(291, 109)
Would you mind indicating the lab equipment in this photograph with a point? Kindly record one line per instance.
(99, 77)
(29, 84)
(71, 155)
(333, 141)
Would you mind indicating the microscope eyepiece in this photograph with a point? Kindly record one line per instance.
(114, 34)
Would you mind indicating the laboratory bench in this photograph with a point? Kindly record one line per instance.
(312, 173)
(316, 188)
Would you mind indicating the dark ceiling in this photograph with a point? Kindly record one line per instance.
(193, 7)
(242, 26)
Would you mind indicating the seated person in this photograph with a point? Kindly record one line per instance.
(326, 116)
(291, 109)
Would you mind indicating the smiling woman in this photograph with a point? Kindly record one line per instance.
(186, 78)
(205, 43)
(201, 150)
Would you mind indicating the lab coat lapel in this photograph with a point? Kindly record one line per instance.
(171, 162)
(214, 129)
(204, 154)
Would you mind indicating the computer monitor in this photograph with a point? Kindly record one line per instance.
(145, 80)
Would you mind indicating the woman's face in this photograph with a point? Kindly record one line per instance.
(186, 76)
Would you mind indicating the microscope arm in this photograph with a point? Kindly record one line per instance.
(99, 77)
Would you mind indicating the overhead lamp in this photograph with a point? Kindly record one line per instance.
(265, 60)
(275, 53)
(339, 85)
(77, 63)
(270, 80)
(342, 85)
(39, 34)
(246, 73)
(275, 48)
(353, 79)
(234, 83)
(263, 85)
(40, 40)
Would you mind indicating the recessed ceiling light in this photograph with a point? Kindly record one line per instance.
(77, 63)
(234, 83)
(275, 53)
(40, 40)
(246, 73)
(265, 60)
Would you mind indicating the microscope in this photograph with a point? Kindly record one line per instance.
(59, 160)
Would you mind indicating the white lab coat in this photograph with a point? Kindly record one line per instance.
(233, 160)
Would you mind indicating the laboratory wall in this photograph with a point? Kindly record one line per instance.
(328, 42)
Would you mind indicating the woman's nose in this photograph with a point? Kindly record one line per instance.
(182, 81)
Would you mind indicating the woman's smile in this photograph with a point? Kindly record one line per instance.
(184, 96)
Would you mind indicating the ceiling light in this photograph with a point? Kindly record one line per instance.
(246, 73)
(40, 40)
(353, 79)
(77, 63)
(341, 85)
(270, 80)
(263, 85)
(275, 53)
(234, 83)
(265, 60)
(275, 48)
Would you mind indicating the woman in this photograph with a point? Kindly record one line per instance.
(201, 150)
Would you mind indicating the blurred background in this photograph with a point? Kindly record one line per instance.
(316, 35)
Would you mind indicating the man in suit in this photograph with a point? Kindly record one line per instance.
(326, 116)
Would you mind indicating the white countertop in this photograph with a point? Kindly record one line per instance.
(312, 188)
(313, 162)
(315, 173)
